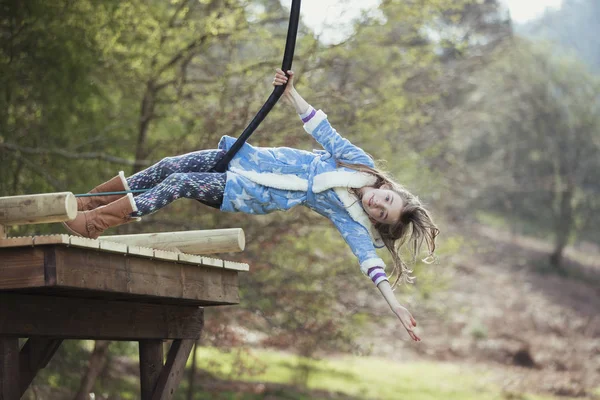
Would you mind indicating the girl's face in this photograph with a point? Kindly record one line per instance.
(383, 205)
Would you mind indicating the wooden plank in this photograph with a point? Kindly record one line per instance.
(9, 368)
(173, 369)
(190, 259)
(79, 268)
(35, 355)
(113, 247)
(21, 268)
(236, 266)
(38, 208)
(114, 275)
(166, 255)
(151, 364)
(27, 315)
(212, 262)
(191, 242)
(17, 241)
(51, 239)
(140, 251)
(77, 241)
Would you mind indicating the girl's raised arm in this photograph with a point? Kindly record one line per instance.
(342, 149)
(290, 93)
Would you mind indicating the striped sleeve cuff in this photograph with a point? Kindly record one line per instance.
(308, 115)
(377, 275)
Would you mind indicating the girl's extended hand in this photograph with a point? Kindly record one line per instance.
(407, 321)
(281, 79)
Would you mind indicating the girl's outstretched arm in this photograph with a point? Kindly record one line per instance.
(290, 93)
(402, 313)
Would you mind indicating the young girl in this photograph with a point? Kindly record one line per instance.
(340, 183)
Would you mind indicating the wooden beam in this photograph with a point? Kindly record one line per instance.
(151, 364)
(22, 267)
(35, 355)
(37, 208)
(116, 276)
(191, 242)
(173, 369)
(9, 368)
(112, 272)
(23, 315)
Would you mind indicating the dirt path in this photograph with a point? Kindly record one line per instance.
(503, 310)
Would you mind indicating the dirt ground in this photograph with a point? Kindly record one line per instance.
(504, 311)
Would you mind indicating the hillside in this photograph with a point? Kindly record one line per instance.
(503, 311)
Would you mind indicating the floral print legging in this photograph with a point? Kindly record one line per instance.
(180, 176)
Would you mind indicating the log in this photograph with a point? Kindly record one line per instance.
(191, 242)
(37, 208)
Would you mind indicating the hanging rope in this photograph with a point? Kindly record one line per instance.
(288, 55)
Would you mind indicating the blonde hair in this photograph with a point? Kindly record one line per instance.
(415, 224)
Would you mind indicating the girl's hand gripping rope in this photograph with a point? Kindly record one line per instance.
(281, 79)
(290, 93)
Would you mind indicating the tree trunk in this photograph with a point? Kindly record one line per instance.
(563, 227)
(95, 366)
(146, 115)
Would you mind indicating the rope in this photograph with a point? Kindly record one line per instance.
(288, 55)
(124, 192)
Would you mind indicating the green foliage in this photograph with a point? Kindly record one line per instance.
(569, 27)
(90, 88)
(536, 156)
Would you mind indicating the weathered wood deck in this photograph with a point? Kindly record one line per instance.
(63, 287)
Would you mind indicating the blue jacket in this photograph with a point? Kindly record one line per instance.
(261, 180)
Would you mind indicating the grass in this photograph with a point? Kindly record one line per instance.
(361, 377)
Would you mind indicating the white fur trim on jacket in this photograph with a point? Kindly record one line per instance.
(348, 179)
(370, 263)
(340, 181)
(315, 121)
(124, 181)
(277, 181)
(352, 204)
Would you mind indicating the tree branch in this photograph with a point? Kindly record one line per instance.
(71, 155)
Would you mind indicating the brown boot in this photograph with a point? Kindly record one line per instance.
(116, 184)
(91, 224)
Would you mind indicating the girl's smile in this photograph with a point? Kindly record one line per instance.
(382, 205)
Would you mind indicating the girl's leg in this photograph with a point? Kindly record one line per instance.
(197, 161)
(208, 187)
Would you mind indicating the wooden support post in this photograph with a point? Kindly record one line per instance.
(2, 232)
(173, 370)
(35, 355)
(9, 368)
(191, 242)
(38, 208)
(151, 365)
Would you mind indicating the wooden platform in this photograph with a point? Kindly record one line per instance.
(60, 287)
(68, 265)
